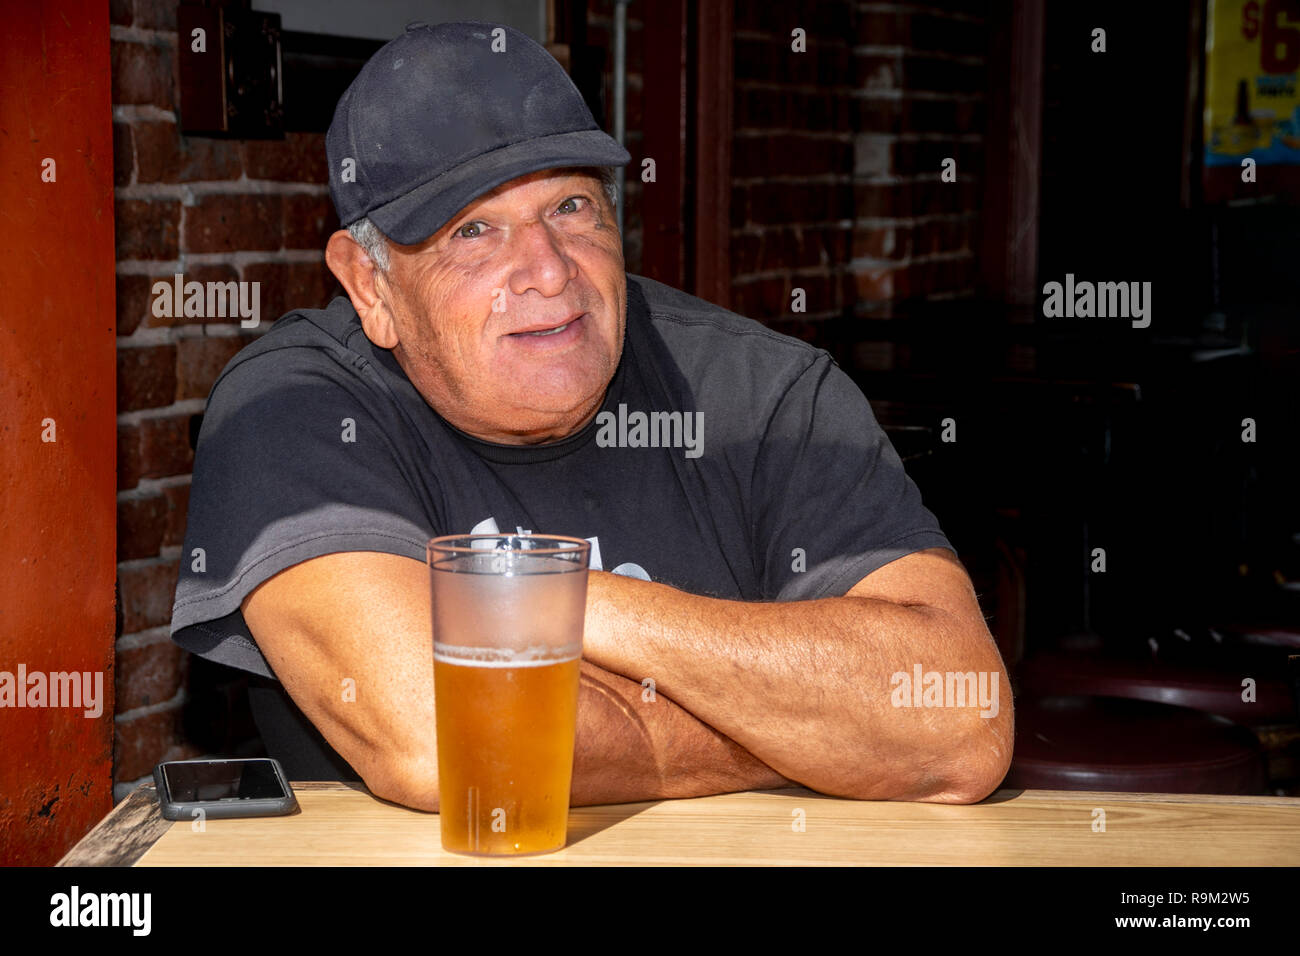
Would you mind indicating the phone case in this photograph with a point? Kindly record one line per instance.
(219, 809)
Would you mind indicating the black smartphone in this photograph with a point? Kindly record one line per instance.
(253, 787)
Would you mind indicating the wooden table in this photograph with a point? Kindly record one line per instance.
(341, 824)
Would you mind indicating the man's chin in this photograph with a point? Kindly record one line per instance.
(554, 418)
(560, 389)
(576, 415)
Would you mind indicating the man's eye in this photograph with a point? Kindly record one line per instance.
(575, 201)
(469, 225)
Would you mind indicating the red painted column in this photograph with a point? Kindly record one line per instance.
(57, 422)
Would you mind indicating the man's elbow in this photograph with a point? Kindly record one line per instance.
(963, 763)
(980, 760)
(410, 781)
(968, 788)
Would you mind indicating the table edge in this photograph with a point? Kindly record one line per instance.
(128, 832)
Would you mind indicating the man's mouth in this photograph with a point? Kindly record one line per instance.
(542, 331)
(558, 328)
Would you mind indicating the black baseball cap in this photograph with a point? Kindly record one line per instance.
(444, 113)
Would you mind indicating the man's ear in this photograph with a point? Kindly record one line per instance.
(359, 276)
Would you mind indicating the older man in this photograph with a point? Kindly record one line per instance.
(493, 367)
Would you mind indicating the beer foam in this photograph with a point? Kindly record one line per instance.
(539, 655)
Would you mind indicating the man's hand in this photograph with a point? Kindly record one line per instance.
(806, 686)
(366, 616)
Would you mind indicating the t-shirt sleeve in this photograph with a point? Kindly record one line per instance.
(832, 501)
(296, 459)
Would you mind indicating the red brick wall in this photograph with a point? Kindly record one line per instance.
(837, 153)
(211, 209)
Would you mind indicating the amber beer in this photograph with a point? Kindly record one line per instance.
(505, 753)
(507, 646)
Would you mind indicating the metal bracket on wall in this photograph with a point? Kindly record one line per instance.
(230, 72)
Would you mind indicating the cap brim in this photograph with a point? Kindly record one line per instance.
(417, 215)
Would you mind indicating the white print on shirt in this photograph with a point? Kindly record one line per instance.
(629, 570)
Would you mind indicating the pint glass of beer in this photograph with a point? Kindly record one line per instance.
(508, 612)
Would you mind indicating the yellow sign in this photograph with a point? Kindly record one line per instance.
(1252, 107)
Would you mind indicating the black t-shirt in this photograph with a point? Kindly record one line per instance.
(727, 460)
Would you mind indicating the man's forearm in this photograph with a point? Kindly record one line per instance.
(806, 687)
(635, 744)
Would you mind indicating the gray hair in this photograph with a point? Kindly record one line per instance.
(375, 243)
(608, 179)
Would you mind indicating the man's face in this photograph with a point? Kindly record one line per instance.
(540, 254)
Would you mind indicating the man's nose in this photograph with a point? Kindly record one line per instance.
(541, 260)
